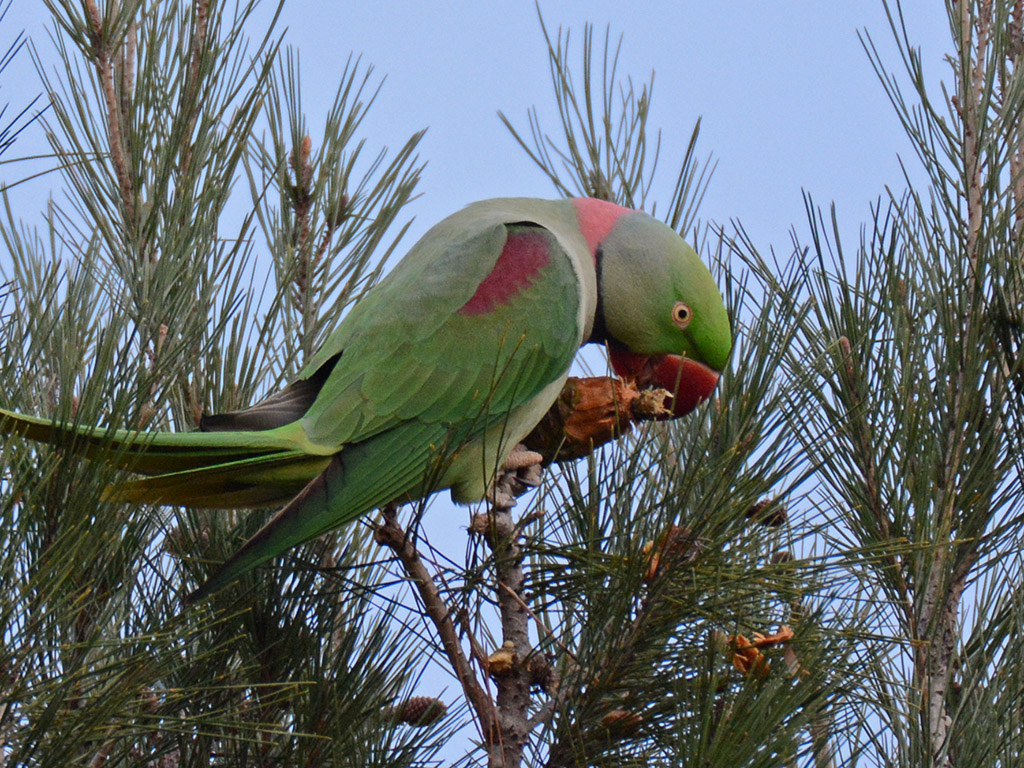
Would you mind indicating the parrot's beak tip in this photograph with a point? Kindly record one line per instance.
(690, 381)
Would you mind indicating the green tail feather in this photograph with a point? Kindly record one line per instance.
(288, 527)
(246, 468)
(217, 470)
(262, 481)
(152, 453)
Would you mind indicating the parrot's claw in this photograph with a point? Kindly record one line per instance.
(524, 469)
(499, 498)
(525, 466)
(521, 458)
(520, 472)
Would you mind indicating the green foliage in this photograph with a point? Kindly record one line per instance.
(136, 305)
(603, 147)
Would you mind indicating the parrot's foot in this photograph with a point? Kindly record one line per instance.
(521, 458)
(520, 472)
(499, 498)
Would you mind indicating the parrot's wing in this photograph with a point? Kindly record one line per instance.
(471, 326)
(277, 410)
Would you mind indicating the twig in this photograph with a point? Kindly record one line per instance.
(548, 708)
(527, 520)
(102, 754)
(477, 650)
(115, 135)
(198, 45)
(1016, 138)
(391, 535)
(333, 222)
(507, 666)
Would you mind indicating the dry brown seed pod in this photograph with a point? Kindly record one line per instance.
(588, 413)
(502, 660)
(676, 546)
(768, 513)
(622, 722)
(542, 673)
(747, 657)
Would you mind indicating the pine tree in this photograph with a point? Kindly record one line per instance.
(817, 568)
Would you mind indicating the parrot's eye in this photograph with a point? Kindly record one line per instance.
(681, 314)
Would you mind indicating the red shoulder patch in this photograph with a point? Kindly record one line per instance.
(525, 254)
(597, 218)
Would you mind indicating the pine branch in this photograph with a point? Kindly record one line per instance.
(104, 54)
(391, 535)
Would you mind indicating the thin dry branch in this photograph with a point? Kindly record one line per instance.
(391, 535)
(103, 59)
(197, 46)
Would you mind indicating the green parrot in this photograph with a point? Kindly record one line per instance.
(437, 372)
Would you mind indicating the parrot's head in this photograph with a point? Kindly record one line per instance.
(659, 310)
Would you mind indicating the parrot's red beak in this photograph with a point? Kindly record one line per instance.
(690, 382)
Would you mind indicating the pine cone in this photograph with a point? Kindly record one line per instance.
(420, 711)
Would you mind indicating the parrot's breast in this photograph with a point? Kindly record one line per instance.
(474, 467)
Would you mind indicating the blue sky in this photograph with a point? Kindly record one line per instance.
(785, 90)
